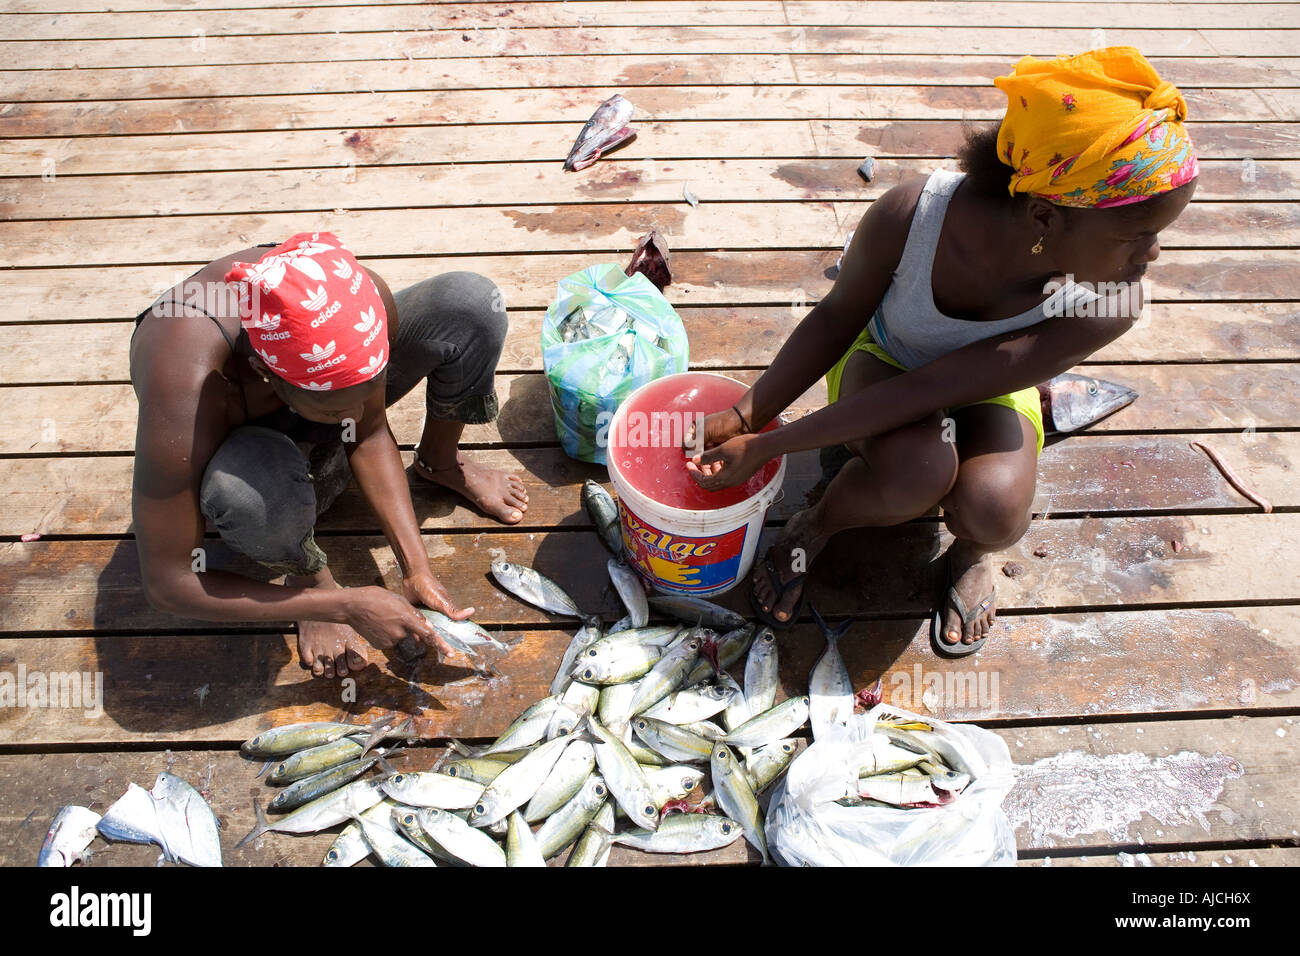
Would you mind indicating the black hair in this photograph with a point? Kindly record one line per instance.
(978, 159)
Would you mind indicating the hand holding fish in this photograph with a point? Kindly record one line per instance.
(383, 618)
(733, 462)
(427, 590)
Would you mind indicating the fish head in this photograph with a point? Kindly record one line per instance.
(1077, 401)
(406, 818)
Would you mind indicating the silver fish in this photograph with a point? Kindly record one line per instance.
(186, 822)
(607, 129)
(941, 778)
(566, 824)
(458, 838)
(406, 821)
(71, 831)
(666, 676)
(762, 680)
(624, 777)
(465, 636)
(522, 848)
(566, 778)
(350, 847)
(731, 647)
(768, 762)
(830, 689)
(887, 756)
(605, 663)
(615, 700)
(902, 790)
(697, 703)
(426, 789)
(781, 721)
(675, 743)
(310, 788)
(132, 819)
(517, 783)
(603, 512)
(684, 833)
(697, 611)
(291, 738)
(391, 849)
(481, 770)
(941, 748)
(736, 797)
(321, 814)
(624, 623)
(675, 782)
(1070, 401)
(528, 728)
(314, 760)
(737, 709)
(587, 635)
(630, 591)
(535, 588)
(592, 848)
(705, 728)
(581, 698)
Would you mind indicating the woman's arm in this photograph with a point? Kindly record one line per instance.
(993, 366)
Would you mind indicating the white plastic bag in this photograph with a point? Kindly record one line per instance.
(806, 827)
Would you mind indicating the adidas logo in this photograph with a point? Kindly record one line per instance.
(317, 300)
(342, 269)
(367, 320)
(374, 365)
(268, 359)
(319, 386)
(318, 354)
(268, 322)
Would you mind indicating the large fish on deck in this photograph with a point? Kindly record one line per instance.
(606, 130)
(1071, 402)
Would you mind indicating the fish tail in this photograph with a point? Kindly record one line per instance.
(259, 828)
(832, 633)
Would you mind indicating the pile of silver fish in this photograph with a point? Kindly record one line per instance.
(173, 815)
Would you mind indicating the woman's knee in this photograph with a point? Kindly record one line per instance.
(258, 482)
(912, 463)
(991, 503)
(481, 304)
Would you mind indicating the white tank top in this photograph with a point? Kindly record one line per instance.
(909, 326)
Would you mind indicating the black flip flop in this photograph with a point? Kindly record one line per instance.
(768, 617)
(949, 593)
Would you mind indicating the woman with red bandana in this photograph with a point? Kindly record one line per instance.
(959, 293)
(263, 381)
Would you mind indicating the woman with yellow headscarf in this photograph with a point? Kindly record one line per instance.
(959, 293)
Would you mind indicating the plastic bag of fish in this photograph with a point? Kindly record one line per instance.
(605, 335)
(891, 788)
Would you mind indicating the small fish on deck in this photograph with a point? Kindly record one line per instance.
(606, 130)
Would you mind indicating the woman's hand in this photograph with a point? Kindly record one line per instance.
(384, 619)
(718, 428)
(729, 464)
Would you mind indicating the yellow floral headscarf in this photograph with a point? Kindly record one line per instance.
(1099, 129)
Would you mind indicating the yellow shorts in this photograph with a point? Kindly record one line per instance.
(1025, 401)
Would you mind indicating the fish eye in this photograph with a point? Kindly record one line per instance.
(1092, 388)
(641, 725)
(332, 855)
(788, 748)
(398, 777)
(688, 784)
(480, 809)
(726, 828)
(648, 810)
(562, 732)
(408, 818)
(591, 653)
(722, 754)
(587, 673)
(600, 790)
(453, 771)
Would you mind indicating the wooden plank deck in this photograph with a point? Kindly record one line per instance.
(1153, 625)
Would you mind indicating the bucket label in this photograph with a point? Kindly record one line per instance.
(682, 563)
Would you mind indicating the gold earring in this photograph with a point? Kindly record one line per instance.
(1038, 246)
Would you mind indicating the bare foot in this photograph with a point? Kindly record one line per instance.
(330, 650)
(800, 532)
(498, 493)
(973, 580)
(324, 648)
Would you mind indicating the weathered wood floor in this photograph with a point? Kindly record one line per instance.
(1154, 625)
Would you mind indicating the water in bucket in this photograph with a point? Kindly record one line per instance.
(681, 538)
(649, 448)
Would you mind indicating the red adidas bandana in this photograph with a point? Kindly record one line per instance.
(312, 313)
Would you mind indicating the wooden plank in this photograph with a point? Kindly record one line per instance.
(1119, 664)
(736, 180)
(596, 68)
(720, 338)
(789, 280)
(101, 6)
(569, 41)
(272, 21)
(331, 110)
(1092, 474)
(1126, 562)
(541, 142)
(1272, 856)
(1235, 788)
(479, 230)
(102, 418)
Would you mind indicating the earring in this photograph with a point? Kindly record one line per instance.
(1038, 246)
